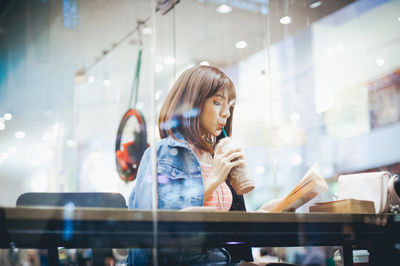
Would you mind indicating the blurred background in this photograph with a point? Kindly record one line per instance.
(316, 81)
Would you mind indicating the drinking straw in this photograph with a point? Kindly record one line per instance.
(223, 130)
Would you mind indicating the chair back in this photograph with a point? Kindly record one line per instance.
(79, 199)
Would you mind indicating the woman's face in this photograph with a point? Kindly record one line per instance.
(214, 114)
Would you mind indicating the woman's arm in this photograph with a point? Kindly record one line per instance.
(224, 160)
(270, 205)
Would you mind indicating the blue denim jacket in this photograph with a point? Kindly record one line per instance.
(180, 183)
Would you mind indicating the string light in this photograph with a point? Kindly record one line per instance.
(224, 9)
(7, 116)
(241, 45)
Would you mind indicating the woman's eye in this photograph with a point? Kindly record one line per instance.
(216, 102)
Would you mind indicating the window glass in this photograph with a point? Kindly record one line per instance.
(314, 81)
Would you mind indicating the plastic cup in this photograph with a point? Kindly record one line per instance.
(239, 176)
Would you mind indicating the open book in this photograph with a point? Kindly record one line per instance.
(310, 186)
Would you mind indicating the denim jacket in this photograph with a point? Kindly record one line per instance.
(180, 185)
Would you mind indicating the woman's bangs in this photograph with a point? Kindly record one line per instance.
(227, 90)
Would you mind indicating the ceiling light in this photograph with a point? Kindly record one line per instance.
(204, 63)
(70, 143)
(91, 79)
(147, 30)
(380, 61)
(107, 82)
(241, 44)
(158, 68)
(224, 9)
(169, 60)
(20, 134)
(7, 116)
(260, 169)
(285, 20)
(12, 150)
(315, 4)
(2, 119)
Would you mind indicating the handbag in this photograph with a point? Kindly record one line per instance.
(394, 194)
(372, 186)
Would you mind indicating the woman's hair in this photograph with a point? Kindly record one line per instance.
(182, 106)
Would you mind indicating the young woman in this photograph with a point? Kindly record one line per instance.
(191, 169)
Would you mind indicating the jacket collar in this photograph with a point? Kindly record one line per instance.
(179, 142)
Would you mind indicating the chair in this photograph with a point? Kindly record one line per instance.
(79, 199)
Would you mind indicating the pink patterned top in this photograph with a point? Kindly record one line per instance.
(221, 197)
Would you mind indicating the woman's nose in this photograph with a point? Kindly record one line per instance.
(225, 111)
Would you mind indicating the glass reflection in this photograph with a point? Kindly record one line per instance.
(315, 81)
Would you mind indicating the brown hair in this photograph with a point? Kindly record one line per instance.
(183, 104)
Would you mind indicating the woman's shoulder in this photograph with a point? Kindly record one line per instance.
(169, 146)
(172, 142)
(173, 152)
(161, 143)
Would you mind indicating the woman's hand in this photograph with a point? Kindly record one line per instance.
(226, 157)
(270, 205)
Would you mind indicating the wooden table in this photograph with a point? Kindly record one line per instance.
(49, 227)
